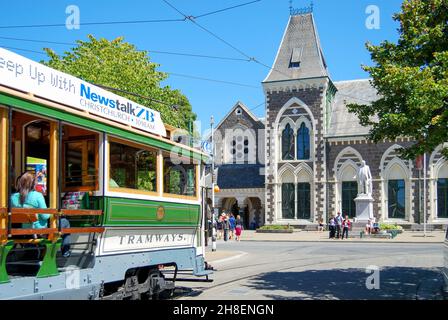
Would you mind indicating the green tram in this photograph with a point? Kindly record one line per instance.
(132, 196)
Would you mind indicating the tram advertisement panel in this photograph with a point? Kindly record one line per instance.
(29, 76)
(116, 240)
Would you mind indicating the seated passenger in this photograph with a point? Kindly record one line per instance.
(28, 197)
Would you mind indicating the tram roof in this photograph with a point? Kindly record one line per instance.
(28, 80)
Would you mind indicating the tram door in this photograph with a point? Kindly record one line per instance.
(36, 153)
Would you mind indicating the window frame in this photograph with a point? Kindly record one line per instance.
(302, 142)
(354, 189)
(292, 138)
(84, 140)
(303, 206)
(111, 139)
(179, 196)
(389, 198)
(292, 202)
(445, 187)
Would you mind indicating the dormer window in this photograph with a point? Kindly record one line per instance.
(296, 58)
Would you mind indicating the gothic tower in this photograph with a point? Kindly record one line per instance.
(299, 94)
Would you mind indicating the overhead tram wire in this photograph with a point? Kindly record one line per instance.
(149, 51)
(214, 80)
(189, 76)
(91, 23)
(21, 49)
(258, 106)
(126, 22)
(250, 58)
(225, 9)
(170, 73)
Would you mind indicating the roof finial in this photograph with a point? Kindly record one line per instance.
(301, 11)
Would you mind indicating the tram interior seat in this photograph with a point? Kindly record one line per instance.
(26, 257)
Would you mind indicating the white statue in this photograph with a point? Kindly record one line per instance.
(365, 179)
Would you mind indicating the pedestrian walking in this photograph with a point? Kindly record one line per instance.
(238, 228)
(219, 225)
(232, 226)
(346, 225)
(339, 220)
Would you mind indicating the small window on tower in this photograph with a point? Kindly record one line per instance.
(296, 57)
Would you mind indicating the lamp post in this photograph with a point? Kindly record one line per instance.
(424, 194)
(212, 123)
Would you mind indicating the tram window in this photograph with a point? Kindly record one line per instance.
(179, 177)
(80, 163)
(80, 169)
(132, 168)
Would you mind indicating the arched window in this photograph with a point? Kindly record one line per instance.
(397, 199)
(349, 194)
(288, 143)
(442, 192)
(288, 200)
(303, 143)
(287, 195)
(303, 200)
(397, 189)
(349, 189)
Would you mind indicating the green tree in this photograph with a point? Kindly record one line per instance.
(118, 64)
(411, 77)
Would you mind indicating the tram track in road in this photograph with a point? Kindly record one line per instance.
(221, 285)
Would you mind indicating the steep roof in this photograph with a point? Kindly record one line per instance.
(240, 176)
(300, 54)
(344, 123)
(241, 105)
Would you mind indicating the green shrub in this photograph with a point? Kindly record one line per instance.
(385, 226)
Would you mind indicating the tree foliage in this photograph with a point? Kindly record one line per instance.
(118, 64)
(411, 77)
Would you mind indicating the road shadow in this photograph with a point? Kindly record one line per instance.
(400, 283)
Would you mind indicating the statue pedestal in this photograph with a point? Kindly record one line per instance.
(364, 208)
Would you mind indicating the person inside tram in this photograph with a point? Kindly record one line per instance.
(27, 197)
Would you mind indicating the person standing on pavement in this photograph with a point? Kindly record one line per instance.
(219, 224)
(238, 228)
(339, 220)
(226, 226)
(346, 224)
(332, 227)
(232, 226)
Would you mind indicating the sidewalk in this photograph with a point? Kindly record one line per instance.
(314, 236)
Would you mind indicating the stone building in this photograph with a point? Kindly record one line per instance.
(313, 146)
(239, 159)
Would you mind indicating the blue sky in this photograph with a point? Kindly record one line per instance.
(255, 29)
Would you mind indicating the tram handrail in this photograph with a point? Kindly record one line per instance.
(29, 215)
(82, 230)
(33, 211)
(81, 212)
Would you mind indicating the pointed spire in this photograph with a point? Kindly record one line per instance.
(300, 54)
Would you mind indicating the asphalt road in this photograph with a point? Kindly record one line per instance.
(341, 271)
